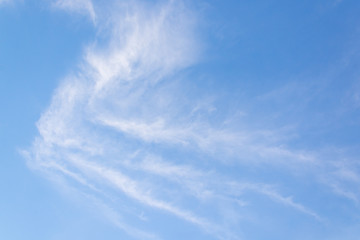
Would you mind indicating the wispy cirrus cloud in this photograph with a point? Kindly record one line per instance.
(122, 129)
(78, 6)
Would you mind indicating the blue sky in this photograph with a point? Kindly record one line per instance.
(212, 119)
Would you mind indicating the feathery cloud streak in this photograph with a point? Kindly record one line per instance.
(110, 127)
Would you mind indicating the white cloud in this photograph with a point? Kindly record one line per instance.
(80, 6)
(109, 126)
(144, 46)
